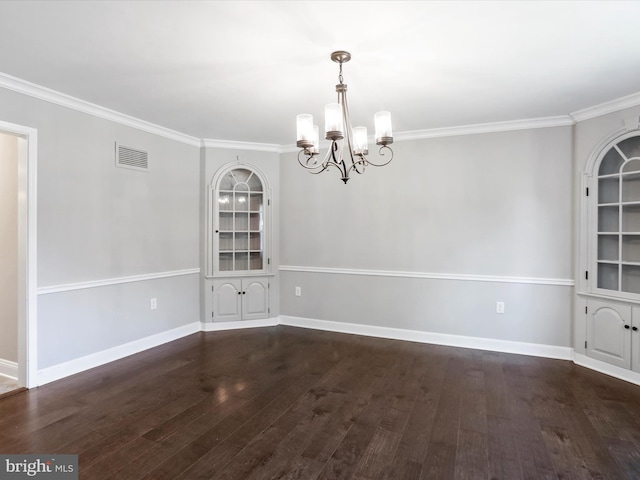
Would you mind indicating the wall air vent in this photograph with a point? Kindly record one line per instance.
(131, 158)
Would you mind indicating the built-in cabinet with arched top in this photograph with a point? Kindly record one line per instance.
(617, 236)
(238, 262)
(612, 269)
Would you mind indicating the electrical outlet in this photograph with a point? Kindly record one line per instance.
(298, 291)
(154, 303)
(499, 307)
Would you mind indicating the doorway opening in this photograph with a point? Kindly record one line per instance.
(20, 148)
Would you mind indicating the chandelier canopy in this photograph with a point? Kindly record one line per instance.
(349, 146)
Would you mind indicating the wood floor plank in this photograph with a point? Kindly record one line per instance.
(471, 456)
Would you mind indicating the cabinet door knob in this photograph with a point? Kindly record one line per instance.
(627, 327)
(635, 329)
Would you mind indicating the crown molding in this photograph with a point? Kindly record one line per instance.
(43, 93)
(612, 106)
(494, 127)
(64, 100)
(235, 145)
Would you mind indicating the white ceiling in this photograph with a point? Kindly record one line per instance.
(242, 70)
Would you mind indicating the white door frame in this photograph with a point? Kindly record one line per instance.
(27, 252)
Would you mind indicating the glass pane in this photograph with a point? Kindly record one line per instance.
(631, 187)
(631, 218)
(255, 202)
(610, 163)
(242, 261)
(256, 261)
(241, 174)
(608, 276)
(242, 187)
(226, 221)
(242, 241)
(226, 262)
(608, 190)
(608, 247)
(632, 166)
(227, 182)
(630, 147)
(242, 222)
(226, 241)
(631, 278)
(256, 222)
(630, 248)
(241, 202)
(254, 183)
(608, 219)
(224, 201)
(255, 241)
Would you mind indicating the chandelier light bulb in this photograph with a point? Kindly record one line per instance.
(333, 124)
(360, 143)
(315, 149)
(304, 123)
(383, 128)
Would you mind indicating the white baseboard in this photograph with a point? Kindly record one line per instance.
(522, 348)
(219, 326)
(81, 364)
(9, 369)
(602, 367)
(57, 372)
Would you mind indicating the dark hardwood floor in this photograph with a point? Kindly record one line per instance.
(284, 402)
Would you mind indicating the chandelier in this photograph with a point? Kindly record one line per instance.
(349, 146)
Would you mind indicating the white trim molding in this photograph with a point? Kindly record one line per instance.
(52, 96)
(564, 282)
(115, 281)
(235, 145)
(606, 368)
(506, 346)
(480, 128)
(9, 369)
(220, 326)
(93, 360)
(612, 106)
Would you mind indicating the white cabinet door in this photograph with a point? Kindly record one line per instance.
(240, 299)
(608, 333)
(227, 300)
(255, 296)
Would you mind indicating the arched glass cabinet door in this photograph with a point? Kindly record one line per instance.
(617, 223)
(239, 222)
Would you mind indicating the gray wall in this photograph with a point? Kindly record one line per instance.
(97, 222)
(496, 205)
(8, 247)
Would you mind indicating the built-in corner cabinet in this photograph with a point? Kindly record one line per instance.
(612, 262)
(613, 333)
(238, 240)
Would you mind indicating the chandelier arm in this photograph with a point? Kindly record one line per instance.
(338, 161)
(383, 147)
(320, 167)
